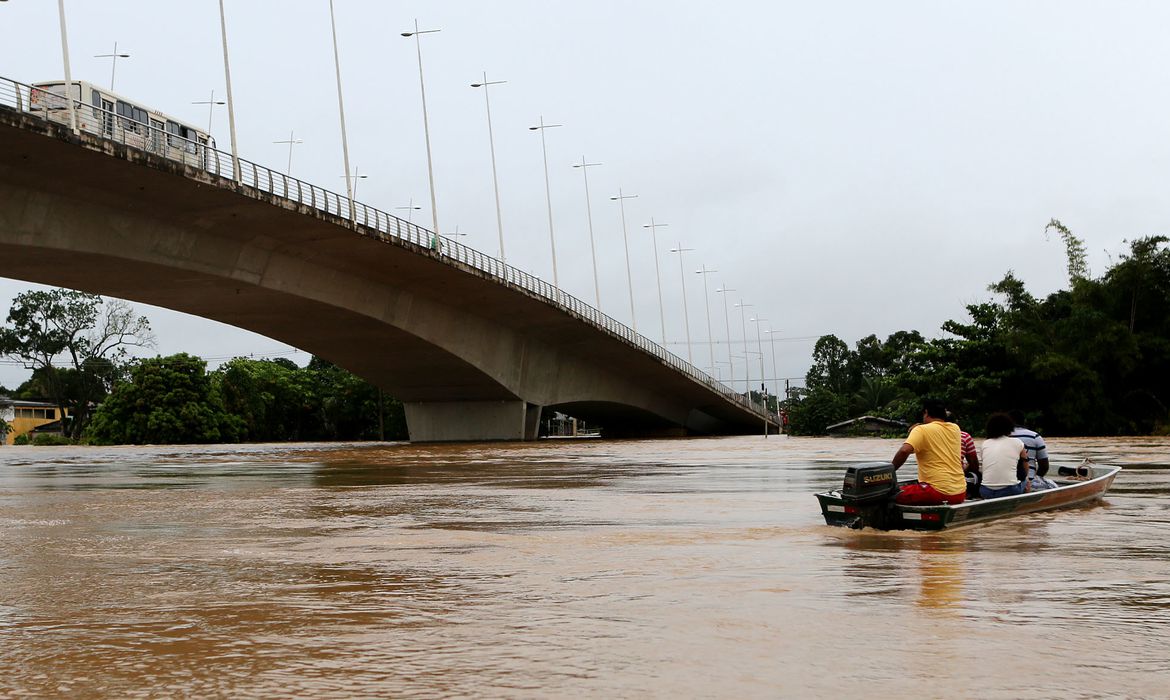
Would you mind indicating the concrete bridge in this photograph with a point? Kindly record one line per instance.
(475, 349)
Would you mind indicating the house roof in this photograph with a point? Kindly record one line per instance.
(888, 422)
(20, 403)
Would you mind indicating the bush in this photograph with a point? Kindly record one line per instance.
(50, 440)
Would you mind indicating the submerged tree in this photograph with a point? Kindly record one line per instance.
(167, 400)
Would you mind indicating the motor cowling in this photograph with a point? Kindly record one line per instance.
(872, 482)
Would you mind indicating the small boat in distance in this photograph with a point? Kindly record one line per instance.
(866, 500)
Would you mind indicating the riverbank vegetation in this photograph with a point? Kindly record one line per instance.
(111, 398)
(1091, 359)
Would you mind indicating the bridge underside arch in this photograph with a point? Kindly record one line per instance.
(471, 356)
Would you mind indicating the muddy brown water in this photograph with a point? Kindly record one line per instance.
(658, 568)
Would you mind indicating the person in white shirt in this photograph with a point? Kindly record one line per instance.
(1005, 460)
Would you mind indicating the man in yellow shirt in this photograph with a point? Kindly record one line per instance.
(936, 444)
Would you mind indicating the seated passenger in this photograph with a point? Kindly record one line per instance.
(971, 469)
(1005, 460)
(937, 446)
(1037, 453)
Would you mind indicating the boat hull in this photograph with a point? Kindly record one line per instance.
(890, 516)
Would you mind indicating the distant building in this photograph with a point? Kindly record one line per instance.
(24, 417)
(867, 425)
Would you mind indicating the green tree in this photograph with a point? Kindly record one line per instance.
(352, 409)
(876, 396)
(832, 366)
(274, 399)
(277, 401)
(810, 412)
(167, 400)
(1078, 265)
(90, 335)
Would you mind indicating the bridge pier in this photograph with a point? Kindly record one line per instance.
(465, 421)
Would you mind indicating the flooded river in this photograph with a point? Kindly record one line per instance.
(665, 568)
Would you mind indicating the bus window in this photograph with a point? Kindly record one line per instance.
(191, 135)
(179, 136)
(132, 116)
(51, 96)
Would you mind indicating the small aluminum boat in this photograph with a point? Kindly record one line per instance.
(866, 500)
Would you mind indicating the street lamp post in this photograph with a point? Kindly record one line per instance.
(621, 200)
(349, 184)
(707, 301)
(584, 166)
(725, 290)
(747, 360)
(492, 145)
(657, 274)
(686, 315)
(763, 389)
(227, 74)
(454, 236)
(211, 102)
(410, 208)
(354, 178)
(548, 196)
(760, 349)
(70, 107)
(775, 372)
(426, 126)
(291, 141)
(114, 60)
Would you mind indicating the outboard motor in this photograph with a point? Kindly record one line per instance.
(864, 497)
(868, 483)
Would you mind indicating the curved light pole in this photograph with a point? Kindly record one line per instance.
(725, 290)
(747, 360)
(621, 200)
(548, 196)
(492, 145)
(227, 76)
(426, 126)
(291, 141)
(682, 277)
(70, 107)
(115, 56)
(658, 275)
(707, 301)
(349, 185)
(585, 165)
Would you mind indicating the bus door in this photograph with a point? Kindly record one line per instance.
(107, 118)
(156, 135)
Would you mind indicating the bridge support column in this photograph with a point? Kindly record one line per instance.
(465, 421)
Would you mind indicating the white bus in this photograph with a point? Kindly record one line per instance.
(112, 116)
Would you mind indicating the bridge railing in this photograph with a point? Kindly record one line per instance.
(104, 123)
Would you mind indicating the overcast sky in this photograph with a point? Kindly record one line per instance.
(847, 167)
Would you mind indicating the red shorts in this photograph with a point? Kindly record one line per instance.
(920, 494)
